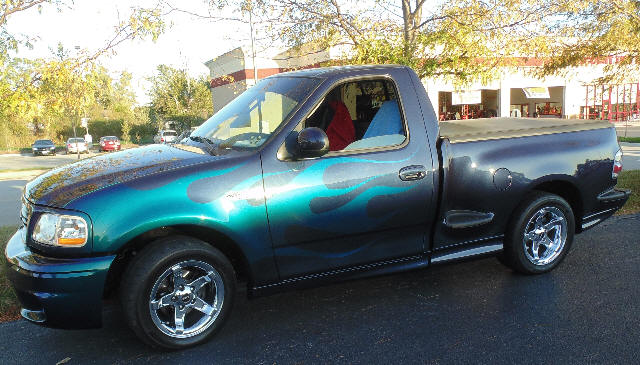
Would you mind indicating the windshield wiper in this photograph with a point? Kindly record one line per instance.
(206, 141)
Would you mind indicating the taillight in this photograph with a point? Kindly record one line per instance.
(617, 164)
(161, 139)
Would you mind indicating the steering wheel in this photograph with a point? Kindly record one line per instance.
(254, 138)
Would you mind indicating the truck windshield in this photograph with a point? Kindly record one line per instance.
(248, 121)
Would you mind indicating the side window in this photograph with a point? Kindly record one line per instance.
(360, 115)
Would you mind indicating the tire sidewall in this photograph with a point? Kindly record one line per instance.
(143, 314)
(519, 226)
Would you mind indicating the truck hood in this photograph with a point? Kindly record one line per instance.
(58, 187)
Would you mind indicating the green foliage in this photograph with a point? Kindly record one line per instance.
(45, 98)
(178, 97)
(595, 30)
(459, 40)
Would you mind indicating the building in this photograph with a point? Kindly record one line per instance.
(516, 93)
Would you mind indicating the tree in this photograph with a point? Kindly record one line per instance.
(463, 40)
(591, 30)
(176, 96)
(45, 96)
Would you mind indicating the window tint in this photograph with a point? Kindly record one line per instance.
(169, 133)
(360, 115)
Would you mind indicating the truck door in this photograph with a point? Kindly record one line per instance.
(369, 200)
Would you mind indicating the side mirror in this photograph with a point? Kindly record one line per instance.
(312, 142)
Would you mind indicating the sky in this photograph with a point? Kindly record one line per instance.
(188, 41)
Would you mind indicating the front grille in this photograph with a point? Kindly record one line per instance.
(25, 211)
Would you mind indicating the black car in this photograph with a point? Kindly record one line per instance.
(43, 147)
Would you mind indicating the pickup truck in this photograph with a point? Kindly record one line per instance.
(308, 177)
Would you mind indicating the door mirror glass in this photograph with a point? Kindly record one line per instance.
(312, 142)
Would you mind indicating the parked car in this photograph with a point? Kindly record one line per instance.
(109, 143)
(302, 194)
(185, 134)
(165, 136)
(75, 145)
(43, 147)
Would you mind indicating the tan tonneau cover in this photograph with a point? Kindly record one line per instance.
(499, 128)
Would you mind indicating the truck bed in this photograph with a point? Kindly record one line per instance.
(499, 128)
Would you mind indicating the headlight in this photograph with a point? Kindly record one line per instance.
(60, 230)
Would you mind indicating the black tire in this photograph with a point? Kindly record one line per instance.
(519, 250)
(145, 273)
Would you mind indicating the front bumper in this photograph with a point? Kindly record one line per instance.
(60, 293)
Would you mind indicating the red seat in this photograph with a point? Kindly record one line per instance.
(340, 131)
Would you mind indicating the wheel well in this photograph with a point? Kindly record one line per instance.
(218, 240)
(568, 192)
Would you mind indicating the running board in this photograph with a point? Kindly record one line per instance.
(463, 252)
(343, 274)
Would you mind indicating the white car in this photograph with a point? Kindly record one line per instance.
(75, 145)
(165, 136)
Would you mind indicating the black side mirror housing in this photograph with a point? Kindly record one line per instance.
(312, 142)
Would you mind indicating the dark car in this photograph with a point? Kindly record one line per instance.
(294, 184)
(43, 147)
(109, 143)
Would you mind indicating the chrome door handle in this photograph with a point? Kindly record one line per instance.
(413, 172)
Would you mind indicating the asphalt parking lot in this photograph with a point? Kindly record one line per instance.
(584, 312)
(10, 192)
(28, 161)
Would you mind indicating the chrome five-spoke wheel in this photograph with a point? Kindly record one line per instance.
(186, 299)
(545, 235)
(177, 292)
(540, 233)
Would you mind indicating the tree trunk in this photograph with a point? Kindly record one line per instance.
(411, 22)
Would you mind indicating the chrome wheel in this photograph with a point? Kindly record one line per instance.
(545, 236)
(186, 299)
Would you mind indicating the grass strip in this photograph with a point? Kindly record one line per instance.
(629, 139)
(9, 305)
(630, 180)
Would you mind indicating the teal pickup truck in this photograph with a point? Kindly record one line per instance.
(306, 178)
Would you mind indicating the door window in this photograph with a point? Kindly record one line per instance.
(360, 115)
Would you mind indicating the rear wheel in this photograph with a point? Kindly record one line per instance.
(540, 234)
(177, 292)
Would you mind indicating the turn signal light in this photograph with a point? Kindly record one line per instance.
(71, 241)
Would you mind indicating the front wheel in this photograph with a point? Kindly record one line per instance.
(177, 292)
(540, 235)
